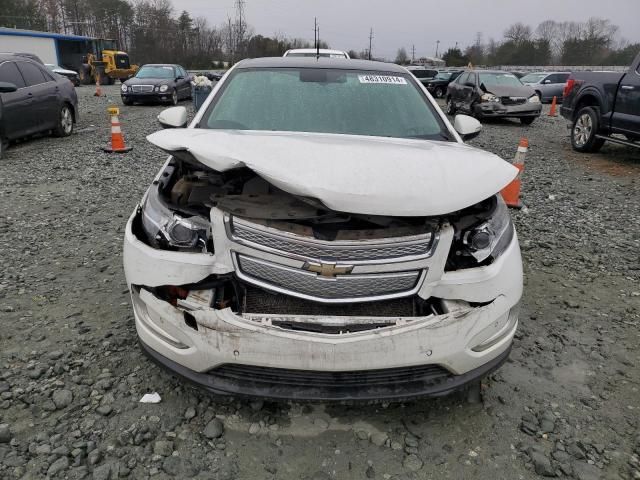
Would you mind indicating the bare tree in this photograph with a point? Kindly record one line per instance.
(518, 33)
(401, 57)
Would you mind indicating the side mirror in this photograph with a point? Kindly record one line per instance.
(466, 126)
(547, 81)
(174, 117)
(6, 87)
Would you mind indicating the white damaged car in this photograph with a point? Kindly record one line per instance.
(321, 232)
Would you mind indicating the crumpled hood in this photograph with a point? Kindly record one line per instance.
(348, 173)
(511, 91)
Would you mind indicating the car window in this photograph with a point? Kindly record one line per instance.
(420, 73)
(561, 77)
(500, 79)
(472, 78)
(349, 102)
(462, 79)
(10, 73)
(533, 78)
(32, 74)
(156, 71)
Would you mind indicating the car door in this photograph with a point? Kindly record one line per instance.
(626, 114)
(43, 91)
(560, 82)
(456, 89)
(16, 106)
(469, 92)
(185, 85)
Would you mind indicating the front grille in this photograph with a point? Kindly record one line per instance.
(261, 301)
(350, 251)
(274, 378)
(142, 88)
(341, 287)
(513, 100)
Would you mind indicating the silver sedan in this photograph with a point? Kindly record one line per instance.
(547, 84)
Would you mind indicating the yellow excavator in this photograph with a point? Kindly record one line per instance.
(106, 65)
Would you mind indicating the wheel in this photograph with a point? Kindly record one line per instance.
(439, 92)
(174, 97)
(584, 130)
(127, 101)
(2, 147)
(451, 108)
(474, 393)
(64, 128)
(527, 120)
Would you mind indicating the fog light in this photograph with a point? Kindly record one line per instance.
(502, 327)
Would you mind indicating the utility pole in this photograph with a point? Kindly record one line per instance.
(315, 32)
(370, 40)
(240, 24)
(437, 47)
(413, 54)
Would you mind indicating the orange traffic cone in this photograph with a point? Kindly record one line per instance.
(117, 140)
(511, 193)
(98, 92)
(552, 112)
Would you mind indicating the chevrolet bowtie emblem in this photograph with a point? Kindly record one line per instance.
(328, 269)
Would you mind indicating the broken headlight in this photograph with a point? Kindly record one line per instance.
(164, 227)
(482, 233)
(489, 97)
(491, 237)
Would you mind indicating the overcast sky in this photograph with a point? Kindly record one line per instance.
(345, 24)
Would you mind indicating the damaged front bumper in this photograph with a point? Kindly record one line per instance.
(254, 354)
(499, 110)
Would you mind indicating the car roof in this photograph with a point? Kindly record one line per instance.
(160, 65)
(17, 56)
(544, 73)
(312, 50)
(322, 62)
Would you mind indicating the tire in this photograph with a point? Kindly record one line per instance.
(451, 108)
(2, 147)
(584, 129)
(439, 92)
(527, 120)
(64, 127)
(474, 393)
(126, 101)
(174, 97)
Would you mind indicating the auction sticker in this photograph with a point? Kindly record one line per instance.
(385, 79)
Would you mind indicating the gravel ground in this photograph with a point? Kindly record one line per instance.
(71, 374)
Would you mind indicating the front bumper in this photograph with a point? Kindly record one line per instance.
(147, 97)
(498, 110)
(231, 353)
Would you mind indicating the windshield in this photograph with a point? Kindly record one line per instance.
(314, 54)
(324, 101)
(443, 76)
(155, 72)
(500, 79)
(533, 77)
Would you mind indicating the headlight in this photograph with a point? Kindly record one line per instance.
(429, 85)
(163, 226)
(534, 99)
(123, 88)
(489, 97)
(492, 237)
(164, 88)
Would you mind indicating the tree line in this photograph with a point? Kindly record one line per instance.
(151, 31)
(593, 42)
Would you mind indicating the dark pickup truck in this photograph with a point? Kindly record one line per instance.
(603, 106)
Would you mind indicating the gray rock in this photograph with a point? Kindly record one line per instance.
(178, 467)
(163, 447)
(542, 464)
(214, 429)
(584, 471)
(189, 413)
(412, 462)
(59, 465)
(379, 438)
(5, 433)
(94, 457)
(104, 410)
(103, 472)
(62, 398)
